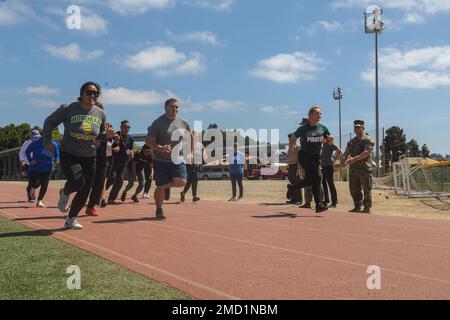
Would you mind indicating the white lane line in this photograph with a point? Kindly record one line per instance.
(288, 250)
(143, 264)
(297, 227)
(291, 251)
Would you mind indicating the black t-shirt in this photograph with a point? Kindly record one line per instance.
(126, 145)
(142, 161)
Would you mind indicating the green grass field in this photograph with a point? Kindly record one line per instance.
(34, 267)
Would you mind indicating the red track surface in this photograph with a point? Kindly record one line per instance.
(221, 250)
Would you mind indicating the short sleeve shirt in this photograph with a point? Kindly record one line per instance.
(236, 162)
(327, 152)
(162, 130)
(311, 138)
(142, 161)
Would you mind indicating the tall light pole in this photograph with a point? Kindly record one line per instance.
(338, 95)
(373, 24)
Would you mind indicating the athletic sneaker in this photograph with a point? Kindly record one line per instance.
(135, 199)
(182, 198)
(160, 214)
(62, 202)
(167, 194)
(233, 199)
(145, 196)
(356, 209)
(123, 197)
(91, 212)
(196, 199)
(40, 204)
(72, 223)
(113, 202)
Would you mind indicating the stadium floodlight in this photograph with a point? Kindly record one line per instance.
(374, 24)
(338, 94)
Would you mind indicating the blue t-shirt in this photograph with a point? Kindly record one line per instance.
(44, 159)
(236, 161)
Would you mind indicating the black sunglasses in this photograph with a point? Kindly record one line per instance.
(92, 93)
(125, 127)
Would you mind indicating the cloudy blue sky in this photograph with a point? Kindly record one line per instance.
(239, 63)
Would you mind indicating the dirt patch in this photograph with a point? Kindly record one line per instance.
(273, 193)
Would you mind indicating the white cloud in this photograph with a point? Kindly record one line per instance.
(72, 52)
(165, 61)
(17, 12)
(411, 7)
(276, 109)
(427, 6)
(11, 15)
(331, 26)
(413, 18)
(217, 5)
(204, 37)
(134, 7)
(193, 65)
(43, 103)
(268, 109)
(425, 68)
(41, 90)
(127, 97)
(216, 105)
(91, 23)
(289, 68)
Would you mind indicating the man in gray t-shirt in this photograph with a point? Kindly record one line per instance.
(168, 174)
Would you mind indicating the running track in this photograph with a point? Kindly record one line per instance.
(221, 250)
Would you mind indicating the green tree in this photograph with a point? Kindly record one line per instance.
(425, 152)
(413, 149)
(395, 142)
(12, 136)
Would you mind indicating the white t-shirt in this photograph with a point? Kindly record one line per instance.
(22, 156)
(198, 153)
(109, 149)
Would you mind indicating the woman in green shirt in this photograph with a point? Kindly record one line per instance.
(311, 137)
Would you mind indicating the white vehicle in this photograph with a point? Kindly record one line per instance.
(214, 174)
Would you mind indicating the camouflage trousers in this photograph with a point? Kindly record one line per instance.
(361, 181)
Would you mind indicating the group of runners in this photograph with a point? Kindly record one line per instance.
(93, 157)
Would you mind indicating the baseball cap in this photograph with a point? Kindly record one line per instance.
(35, 134)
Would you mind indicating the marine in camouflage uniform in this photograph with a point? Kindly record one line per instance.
(358, 155)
